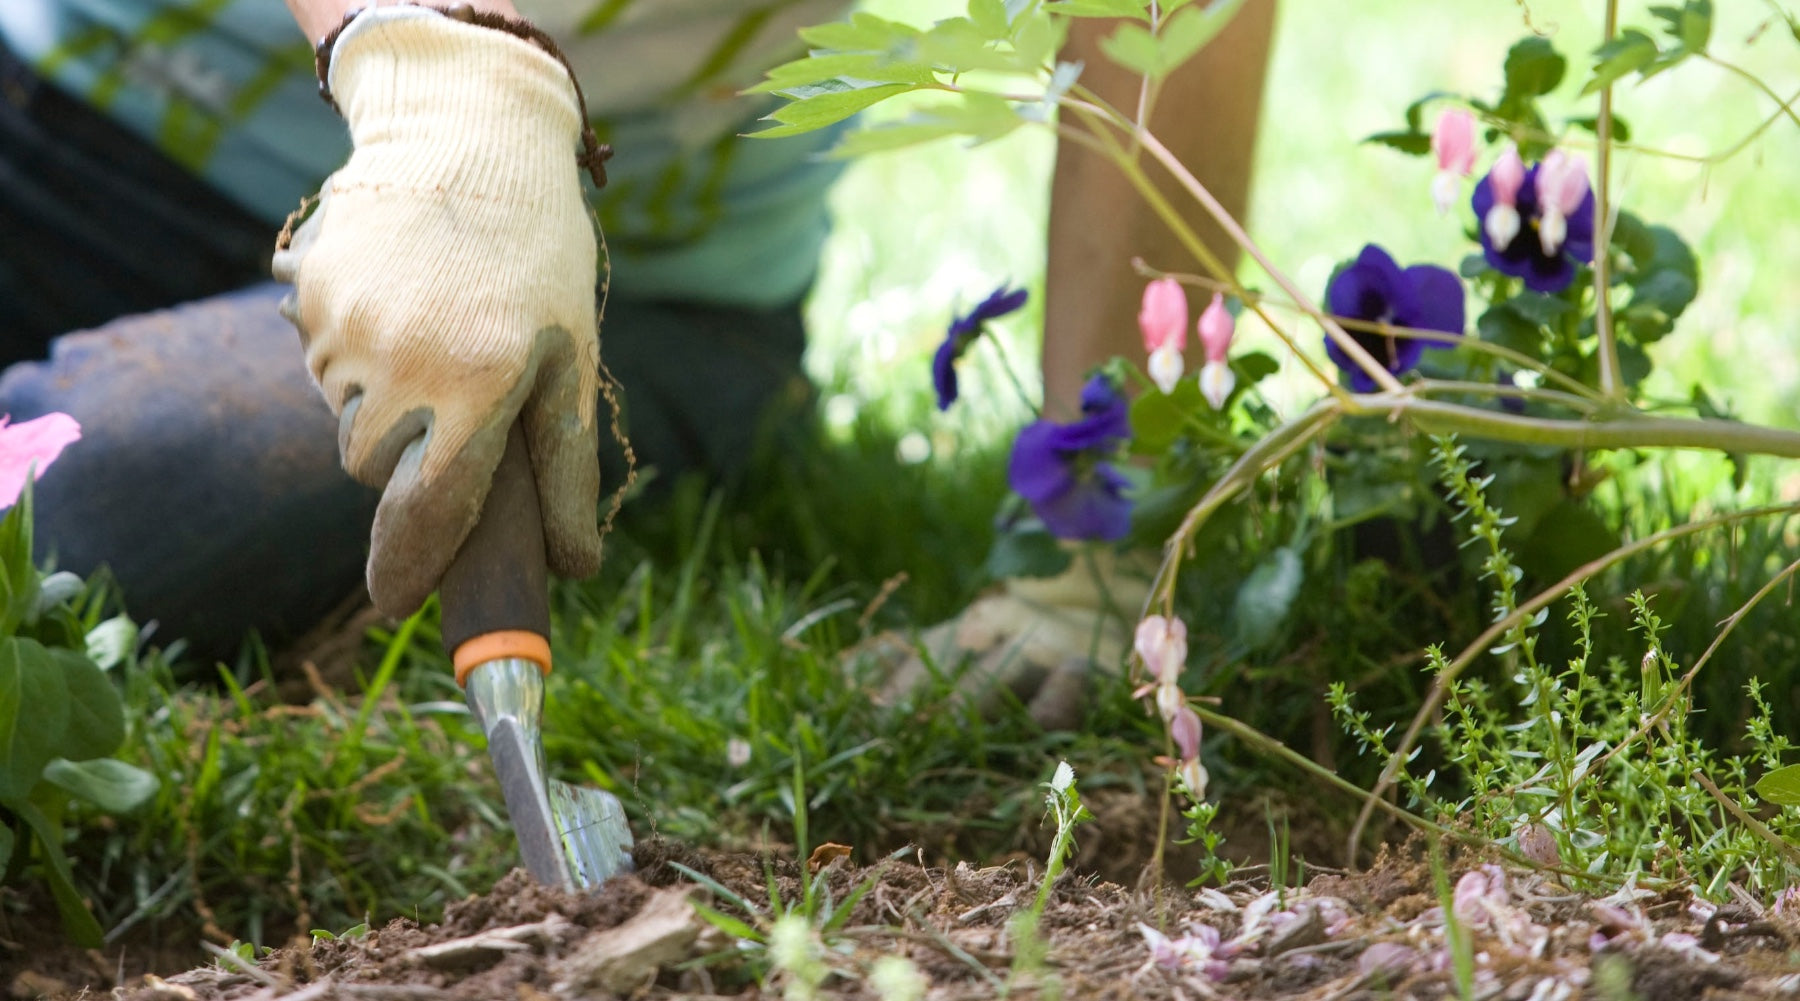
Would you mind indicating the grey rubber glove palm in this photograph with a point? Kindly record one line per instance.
(444, 289)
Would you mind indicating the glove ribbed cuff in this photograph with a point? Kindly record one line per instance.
(437, 104)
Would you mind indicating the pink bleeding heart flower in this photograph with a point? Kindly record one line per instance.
(1216, 328)
(1453, 141)
(1562, 185)
(28, 448)
(1163, 320)
(1185, 729)
(1161, 642)
(1507, 176)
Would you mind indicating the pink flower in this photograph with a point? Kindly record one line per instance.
(1215, 328)
(1162, 644)
(1185, 728)
(29, 448)
(1505, 179)
(1163, 320)
(1454, 143)
(1562, 185)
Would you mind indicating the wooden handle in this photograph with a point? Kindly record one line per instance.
(496, 597)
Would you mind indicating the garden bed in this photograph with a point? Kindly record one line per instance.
(1377, 933)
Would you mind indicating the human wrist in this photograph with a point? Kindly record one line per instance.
(419, 50)
(317, 18)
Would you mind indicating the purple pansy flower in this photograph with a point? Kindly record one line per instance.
(1063, 472)
(1424, 297)
(962, 333)
(1555, 228)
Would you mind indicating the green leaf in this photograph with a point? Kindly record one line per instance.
(1690, 24)
(1506, 327)
(1547, 310)
(1781, 786)
(96, 718)
(1252, 367)
(1621, 132)
(1631, 51)
(827, 108)
(849, 68)
(1667, 291)
(1158, 418)
(1027, 553)
(957, 46)
(19, 579)
(1132, 47)
(862, 32)
(108, 783)
(1412, 143)
(78, 923)
(735, 927)
(1189, 29)
(884, 138)
(110, 642)
(1138, 9)
(1672, 254)
(1266, 596)
(34, 714)
(1533, 68)
(1566, 536)
(7, 843)
(1182, 35)
(989, 18)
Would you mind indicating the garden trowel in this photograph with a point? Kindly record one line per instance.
(496, 618)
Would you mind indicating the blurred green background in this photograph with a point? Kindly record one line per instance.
(923, 232)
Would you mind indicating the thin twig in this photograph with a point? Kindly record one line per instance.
(1611, 382)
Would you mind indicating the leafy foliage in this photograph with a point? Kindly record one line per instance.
(60, 719)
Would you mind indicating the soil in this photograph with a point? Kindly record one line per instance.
(1377, 933)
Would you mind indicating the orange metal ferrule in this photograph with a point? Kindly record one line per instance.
(502, 645)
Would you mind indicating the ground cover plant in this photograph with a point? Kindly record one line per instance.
(1456, 681)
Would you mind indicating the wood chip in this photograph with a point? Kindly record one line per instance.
(826, 854)
(620, 960)
(485, 946)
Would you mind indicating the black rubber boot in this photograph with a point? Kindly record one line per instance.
(207, 474)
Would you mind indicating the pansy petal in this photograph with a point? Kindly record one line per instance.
(1038, 470)
(1437, 300)
(1095, 508)
(943, 373)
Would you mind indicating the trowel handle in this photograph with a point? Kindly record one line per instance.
(495, 596)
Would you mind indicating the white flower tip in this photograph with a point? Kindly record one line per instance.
(1166, 367)
(1193, 779)
(1064, 777)
(1216, 383)
(1553, 228)
(1444, 189)
(1502, 225)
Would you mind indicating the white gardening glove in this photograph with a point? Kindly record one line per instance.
(445, 287)
(1041, 639)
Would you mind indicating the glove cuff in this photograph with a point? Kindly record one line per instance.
(458, 99)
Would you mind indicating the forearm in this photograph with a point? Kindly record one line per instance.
(317, 17)
(1207, 114)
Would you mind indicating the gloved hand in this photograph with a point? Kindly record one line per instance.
(444, 288)
(1041, 639)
